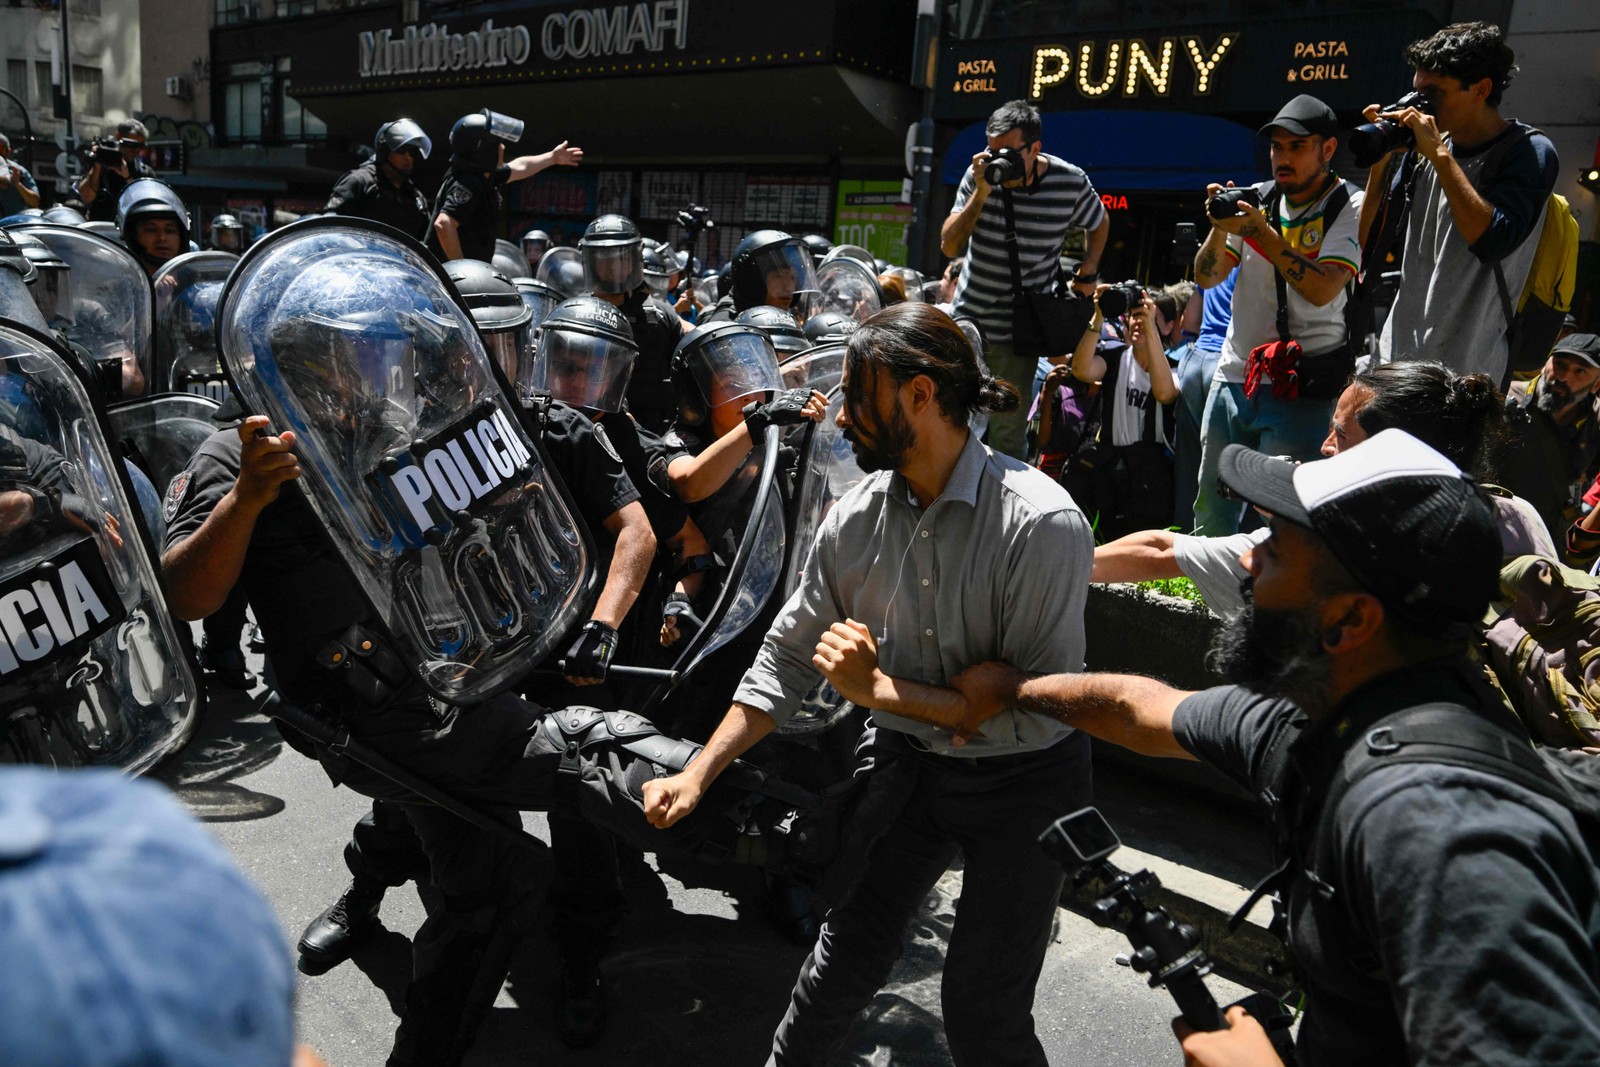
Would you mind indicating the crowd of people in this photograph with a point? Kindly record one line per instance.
(1348, 497)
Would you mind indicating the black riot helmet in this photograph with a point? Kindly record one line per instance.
(771, 267)
(13, 259)
(498, 309)
(661, 265)
(227, 234)
(148, 198)
(827, 326)
(786, 335)
(399, 134)
(476, 138)
(722, 362)
(535, 243)
(17, 272)
(583, 355)
(613, 255)
(52, 286)
(818, 245)
(62, 215)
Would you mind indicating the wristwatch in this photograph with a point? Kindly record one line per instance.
(1081, 278)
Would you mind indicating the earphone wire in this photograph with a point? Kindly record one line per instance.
(899, 575)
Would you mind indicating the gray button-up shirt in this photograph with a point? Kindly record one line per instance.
(996, 569)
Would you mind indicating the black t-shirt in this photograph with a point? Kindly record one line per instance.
(1476, 899)
(722, 515)
(589, 463)
(109, 190)
(639, 449)
(657, 329)
(299, 590)
(365, 193)
(472, 198)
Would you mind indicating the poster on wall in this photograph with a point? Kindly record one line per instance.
(870, 214)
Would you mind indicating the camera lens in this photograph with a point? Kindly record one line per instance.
(1225, 205)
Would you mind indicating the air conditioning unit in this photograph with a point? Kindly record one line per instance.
(179, 88)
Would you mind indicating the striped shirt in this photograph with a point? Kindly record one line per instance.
(1062, 200)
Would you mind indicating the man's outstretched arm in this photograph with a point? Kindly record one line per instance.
(666, 800)
(1125, 709)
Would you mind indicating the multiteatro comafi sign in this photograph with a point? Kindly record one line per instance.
(1222, 68)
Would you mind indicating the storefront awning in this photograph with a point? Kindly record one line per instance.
(1133, 150)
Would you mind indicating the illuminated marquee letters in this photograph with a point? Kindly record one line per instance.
(1128, 67)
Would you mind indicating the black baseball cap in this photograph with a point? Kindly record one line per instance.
(1407, 524)
(1583, 347)
(1305, 115)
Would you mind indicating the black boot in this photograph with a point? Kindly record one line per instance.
(226, 663)
(581, 1003)
(334, 934)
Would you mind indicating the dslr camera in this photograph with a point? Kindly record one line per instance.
(1005, 165)
(693, 219)
(1116, 300)
(1225, 205)
(106, 152)
(1371, 141)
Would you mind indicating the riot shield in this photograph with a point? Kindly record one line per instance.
(112, 304)
(509, 260)
(443, 509)
(849, 288)
(187, 289)
(92, 671)
(161, 433)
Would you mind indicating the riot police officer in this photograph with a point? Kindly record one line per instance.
(614, 270)
(381, 188)
(466, 212)
(769, 267)
(153, 222)
(227, 234)
(535, 243)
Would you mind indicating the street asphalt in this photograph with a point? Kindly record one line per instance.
(696, 976)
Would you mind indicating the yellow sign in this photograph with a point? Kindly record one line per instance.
(966, 83)
(1128, 68)
(1319, 72)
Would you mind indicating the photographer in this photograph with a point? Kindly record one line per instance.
(1287, 353)
(1437, 913)
(113, 163)
(17, 187)
(1473, 208)
(1058, 197)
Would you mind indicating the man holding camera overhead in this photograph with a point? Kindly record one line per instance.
(1048, 196)
(1474, 208)
(1288, 352)
(116, 162)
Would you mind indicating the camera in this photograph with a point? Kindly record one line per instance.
(1006, 165)
(1371, 141)
(1116, 300)
(693, 219)
(1225, 205)
(107, 153)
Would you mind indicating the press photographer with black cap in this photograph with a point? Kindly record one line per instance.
(1437, 913)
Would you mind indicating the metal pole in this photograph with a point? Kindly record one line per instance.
(924, 64)
(66, 70)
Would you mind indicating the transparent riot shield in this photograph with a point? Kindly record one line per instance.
(509, 260)
(412, 455)
(850, 288)
(161, 433)
(92, 671)
(112, 304)
(187, 290)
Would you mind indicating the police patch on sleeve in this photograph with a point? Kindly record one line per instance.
(177, 490)
(605, 442)
(658, 475)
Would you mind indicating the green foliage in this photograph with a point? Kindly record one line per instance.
(1182, 588)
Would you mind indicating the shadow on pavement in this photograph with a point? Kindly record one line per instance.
(232, 740)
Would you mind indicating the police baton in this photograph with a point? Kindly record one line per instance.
(659, 674)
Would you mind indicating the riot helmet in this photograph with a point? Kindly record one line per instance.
(51, 288)
(146, 199)
(974, 332)
(826, 326)
(398, 136)
(855, 252)
(476, 138)
(499, 312)
(818, 245)
(771, 267)
(535, 243)
(508, 260)
(562, 270)
(613, 259)
(102, 228)
(17, 272)
(913, 281)
(719, 363)
(539, 298)
(661, 265)
(227, 234)
(584, 354)
(786, 335)
(23, 217)
(849, 287)
(62, 215)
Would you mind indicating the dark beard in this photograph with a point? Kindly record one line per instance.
(888, 451)
(1275, 653)
(1547, 400)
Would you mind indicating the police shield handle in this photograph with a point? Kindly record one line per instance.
(265, 462)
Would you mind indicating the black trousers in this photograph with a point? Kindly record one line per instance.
(993, 809)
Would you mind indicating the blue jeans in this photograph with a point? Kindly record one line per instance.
(1195, 371)
(1293, 428)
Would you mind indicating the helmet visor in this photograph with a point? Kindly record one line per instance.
(503, 127)
(790, 278)
(850, 289)
(613, 268)
(52, 294)
(403, 134)
(582, 369)
(534, 247)
(513, 351)
(228, 238)
(735, 366)
(15, 302)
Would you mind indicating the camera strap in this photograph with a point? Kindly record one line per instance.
(1336, 202)
(1009, 210)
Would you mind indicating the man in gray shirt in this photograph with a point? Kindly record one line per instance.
(948, 555)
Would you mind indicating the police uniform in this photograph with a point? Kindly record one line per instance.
(722, 515)
(473, 198)
(638, 449)
(367, 194)
(657, 329)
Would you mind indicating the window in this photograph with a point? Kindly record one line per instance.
(290, 8)
(241, 101)
(17, 79)
(88, 91)
(230, 12)
(41, 86)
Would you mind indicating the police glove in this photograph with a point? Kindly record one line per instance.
(591, 653)
(785, 409)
